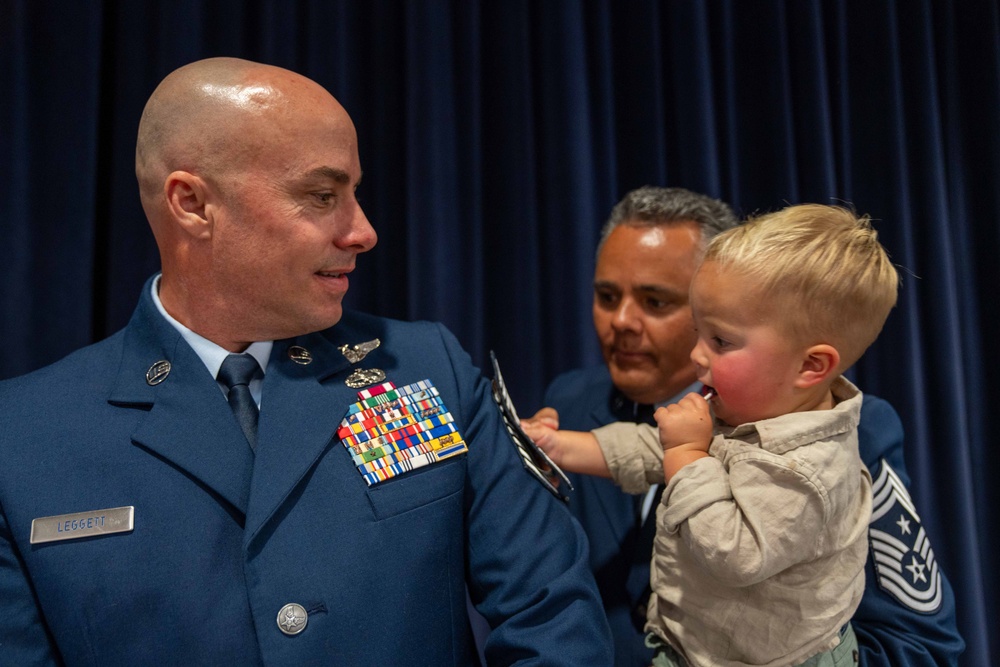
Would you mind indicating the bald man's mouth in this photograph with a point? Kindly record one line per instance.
(334, 280)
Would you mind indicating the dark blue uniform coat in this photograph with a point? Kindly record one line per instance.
(224, 539)
(893, 629)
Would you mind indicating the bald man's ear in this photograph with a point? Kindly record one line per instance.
(819, 363)
(186, 198)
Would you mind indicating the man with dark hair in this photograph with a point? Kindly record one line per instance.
(647, 256)
(249, 475)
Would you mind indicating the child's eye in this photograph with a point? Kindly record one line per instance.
(720, 343)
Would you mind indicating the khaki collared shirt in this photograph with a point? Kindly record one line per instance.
(760, 548)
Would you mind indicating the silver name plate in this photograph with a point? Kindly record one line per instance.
(82, 524)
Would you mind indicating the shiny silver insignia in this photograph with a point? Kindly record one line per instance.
(356, 353)
(300, 355)
(158, 372)
(364, 377)
(292, 619)
(82, 524)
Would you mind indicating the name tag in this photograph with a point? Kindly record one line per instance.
(82, 524)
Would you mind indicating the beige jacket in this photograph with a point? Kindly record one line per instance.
(760, 548)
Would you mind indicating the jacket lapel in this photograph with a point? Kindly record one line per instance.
(301, 407)
(189, 424)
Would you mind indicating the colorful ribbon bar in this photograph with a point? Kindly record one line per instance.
(392, 430)
(413, 463)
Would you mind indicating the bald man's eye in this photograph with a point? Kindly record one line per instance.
(324, 198)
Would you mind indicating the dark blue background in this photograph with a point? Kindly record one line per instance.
(496, 136)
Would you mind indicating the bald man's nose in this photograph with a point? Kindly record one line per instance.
(361, 236)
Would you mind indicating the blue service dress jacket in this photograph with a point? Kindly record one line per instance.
(223, 539)
(907, 614)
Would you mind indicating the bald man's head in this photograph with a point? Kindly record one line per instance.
(213, 116)
(247, 174)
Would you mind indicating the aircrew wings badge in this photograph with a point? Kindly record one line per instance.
(392, 430)
(904, 560)
(535, 461)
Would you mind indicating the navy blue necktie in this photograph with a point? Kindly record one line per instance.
(236, 372)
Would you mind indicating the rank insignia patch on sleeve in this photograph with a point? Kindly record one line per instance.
(392, 430)
(535, 461)
(904, 560)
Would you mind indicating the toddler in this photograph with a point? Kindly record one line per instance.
(762, 529)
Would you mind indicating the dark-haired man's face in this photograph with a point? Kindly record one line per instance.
(641, 310)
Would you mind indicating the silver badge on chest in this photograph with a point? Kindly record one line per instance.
(355, 353)
(364, 377)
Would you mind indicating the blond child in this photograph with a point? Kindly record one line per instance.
(761, 532)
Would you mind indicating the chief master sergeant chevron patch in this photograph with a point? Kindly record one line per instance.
(904, 560)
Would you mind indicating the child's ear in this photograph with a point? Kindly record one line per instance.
(818, 364)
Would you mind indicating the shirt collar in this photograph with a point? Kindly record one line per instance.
(211, 355)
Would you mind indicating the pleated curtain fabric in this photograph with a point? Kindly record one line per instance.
(496, 136)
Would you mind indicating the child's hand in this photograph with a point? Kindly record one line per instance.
(576, 451)
(545, 434)
(687, 422)
(685, 432)
(546, 416)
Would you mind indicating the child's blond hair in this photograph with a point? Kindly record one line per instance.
(819, 268)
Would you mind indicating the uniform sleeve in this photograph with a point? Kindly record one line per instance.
(749, 523)
(633, 454)
(907, 613)
(24, 639)
(527, 568)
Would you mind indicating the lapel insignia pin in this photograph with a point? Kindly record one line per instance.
(356, 353)
(300, 355)
(364, 377)
(157, 373)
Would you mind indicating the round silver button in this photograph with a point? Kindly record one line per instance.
(292, 619)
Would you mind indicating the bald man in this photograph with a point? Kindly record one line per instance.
(247, 474)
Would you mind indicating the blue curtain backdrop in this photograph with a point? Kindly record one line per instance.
(496, 136)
